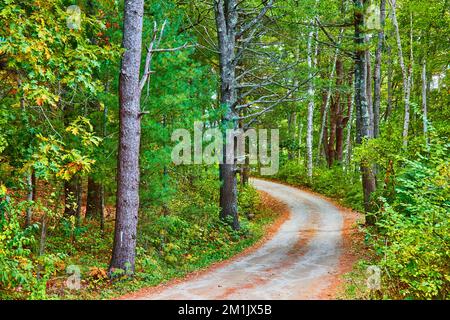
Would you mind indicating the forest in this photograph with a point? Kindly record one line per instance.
(181, 143)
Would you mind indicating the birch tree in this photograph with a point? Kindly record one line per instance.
(361, 105)
(424, 101)
(406, 74)
(377, 71)
(311, 93)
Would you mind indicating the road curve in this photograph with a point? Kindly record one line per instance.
(298, 262)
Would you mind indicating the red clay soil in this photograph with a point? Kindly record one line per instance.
(349, 256)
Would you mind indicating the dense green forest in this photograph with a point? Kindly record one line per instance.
(93, 204)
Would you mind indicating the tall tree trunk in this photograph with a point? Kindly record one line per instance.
(341, 121)
(292, 131)
(405, 76)
(331, 143)
(350, 104)
(377, 72)
(424, 102)
(328, 99)
(311, 93)
(300, 137)
(362, 108)
(102, 185)
(367, 75)
(226, 21)
(127, 206)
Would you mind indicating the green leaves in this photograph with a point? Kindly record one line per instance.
(414, 244)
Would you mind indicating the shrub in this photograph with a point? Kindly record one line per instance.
(21, 272)
(414, 241)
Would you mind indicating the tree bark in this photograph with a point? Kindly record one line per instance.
(405, 76)
(328, 99)
(424, 102)
(127, 206)
(341, 121)
(368, 80)
(350, 104)
(377, 72)
(362, 108)
(226, 21)
(311, 93)
(31, 196)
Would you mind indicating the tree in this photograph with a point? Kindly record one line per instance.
(127, 206)
(312, 57)
(363, 125)
(377, 71)
(406, 74)
(227, 18)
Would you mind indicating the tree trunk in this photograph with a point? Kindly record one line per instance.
(341, 121)
(328, 99)
(31, 196)
(300, 137)
(292, 131)
(377, 72)
(127, 206)
(405, 76)
(424, 102)
(43, 237)
(362, 108)
(311, 93)
(93, 201)
(350, 104)
(367, 75)
(226, 21)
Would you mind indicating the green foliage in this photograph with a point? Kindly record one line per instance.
(414, 241)
(21, 271)
(327, 181)
(248, 200)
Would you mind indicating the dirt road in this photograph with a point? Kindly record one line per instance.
(298, 262)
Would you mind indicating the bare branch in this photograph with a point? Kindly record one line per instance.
(256, 20)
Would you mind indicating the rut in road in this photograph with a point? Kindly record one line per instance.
(298, 262)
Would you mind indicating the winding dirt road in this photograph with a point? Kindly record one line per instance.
(298, 262)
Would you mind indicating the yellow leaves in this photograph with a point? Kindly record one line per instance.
(97, 273)
(46, 98)
(3, 190)
(69, 170)
(73, 130)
